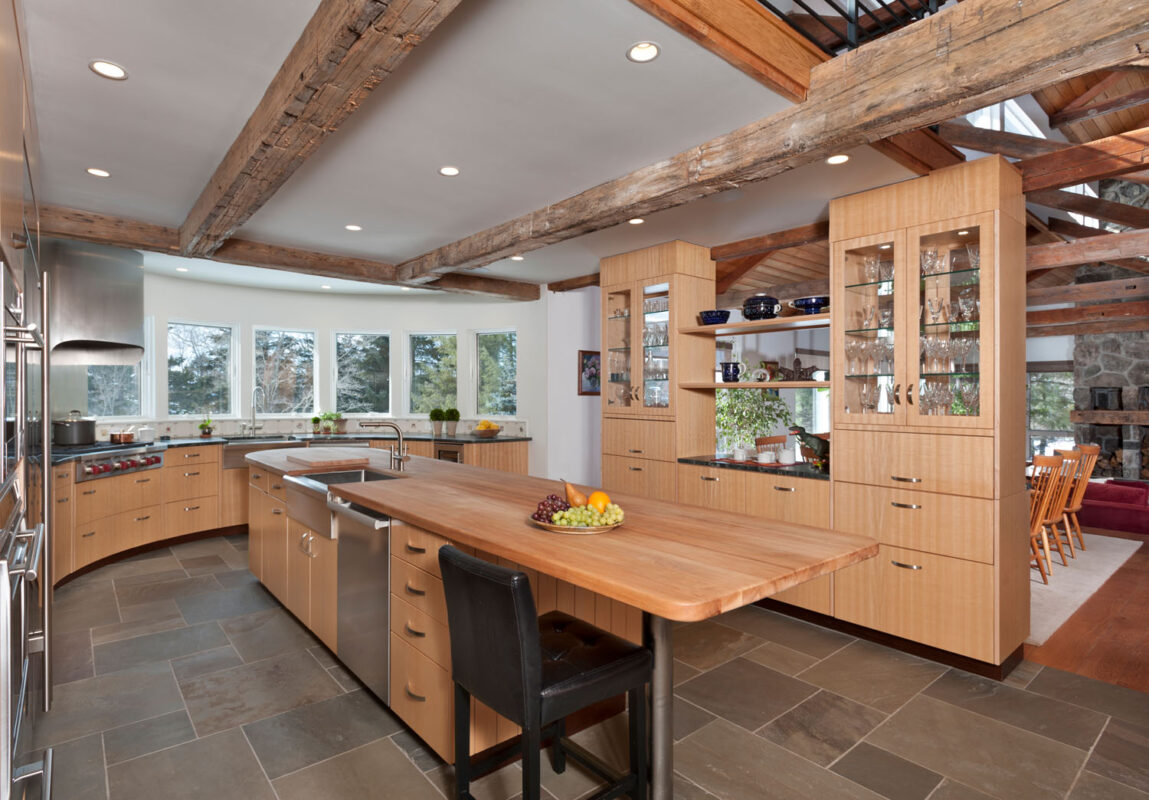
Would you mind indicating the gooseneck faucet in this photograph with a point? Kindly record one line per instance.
(256, 391)
(399, 452)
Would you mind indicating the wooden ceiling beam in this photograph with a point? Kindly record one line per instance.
(730, 272)
(1075, 230)
(779, 240)
(1104, 158)
(1106, 82)
(1130, 244)
(1122, 103)
(1120, 213)
(893, 85)
(1123, 289)
(1002, 143)
(1102, 312)
(570, 284)
(1087, 328)
(347, 49)
(920, 151)
(486, 285)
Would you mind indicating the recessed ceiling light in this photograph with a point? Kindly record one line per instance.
(325, 286)
(838, 158)
(353, 227)
(181, 269)
(516, 258)
(636, 220)
(642, 52)
(963, 233)
(99, 173)
(405, 288)
(108, 69)
(884, 246)
(449, 172)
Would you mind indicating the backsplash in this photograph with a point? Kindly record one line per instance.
(179, 429)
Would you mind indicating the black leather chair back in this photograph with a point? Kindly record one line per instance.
(494, 630)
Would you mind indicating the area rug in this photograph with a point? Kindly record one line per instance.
(1069, 587)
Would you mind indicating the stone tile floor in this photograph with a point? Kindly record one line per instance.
(178, 676)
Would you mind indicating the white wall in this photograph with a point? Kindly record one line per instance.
(574, 427)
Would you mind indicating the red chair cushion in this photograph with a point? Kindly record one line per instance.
(1117, 493)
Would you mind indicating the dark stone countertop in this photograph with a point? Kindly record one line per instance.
(793, 470)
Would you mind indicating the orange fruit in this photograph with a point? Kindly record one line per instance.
(598, 501)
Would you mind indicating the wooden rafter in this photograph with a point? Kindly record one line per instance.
(347, 49)
(1123, 289)
(1089, 251)
(1086, 328)
(1003, 143)
(1070, 229)
(1103, 158)
(570, 284)
(893, 85)
(1101, 312)
(1107, 81)
(728, 273)
(920, 151)
(1121, 213)
(1126, 101)
(761, 245)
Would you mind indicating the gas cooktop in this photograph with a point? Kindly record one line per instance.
(98, 447)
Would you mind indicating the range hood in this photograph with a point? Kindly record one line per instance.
(97, 313)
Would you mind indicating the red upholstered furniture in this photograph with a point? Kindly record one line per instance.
(1116, 505)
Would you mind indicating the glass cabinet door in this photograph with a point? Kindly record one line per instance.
(954, 319)
(618, 389)
(869, 381)
(655, 331)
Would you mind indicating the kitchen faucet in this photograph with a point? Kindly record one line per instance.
(399, 452)
(252, 426)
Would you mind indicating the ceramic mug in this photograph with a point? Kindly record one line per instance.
(730, 370)
(740, 454)
(786, 457)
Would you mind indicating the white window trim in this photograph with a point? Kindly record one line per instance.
(408, 374)
(315, 367)
(233, 367)
(334, 373)
(147, 378)
(474, 380)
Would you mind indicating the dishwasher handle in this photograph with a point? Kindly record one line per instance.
(344, 508)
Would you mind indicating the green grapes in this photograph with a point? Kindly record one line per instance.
(587, 517)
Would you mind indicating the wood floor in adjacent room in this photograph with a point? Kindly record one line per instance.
(1108, 637)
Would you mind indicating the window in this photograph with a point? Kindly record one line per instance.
(362, 373)
(1049, 399)
(434, 381)
(497, 370)
(285, 371)
(199, 369)
(114, 390)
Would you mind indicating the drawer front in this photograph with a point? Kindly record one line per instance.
(190, 516)
(961, 465)
(140, 526)
(93, 541)
(639, 476)
(711, 487)
(422, 695)
(638, 438)
(101, 498)
(197, 454)
(420, 630)
(191, 480)
(416, 546)
(803, 501)
(420, 589)
(143, 488)
(257, 477)
(934, 523)
(63, 475)
(276, 486)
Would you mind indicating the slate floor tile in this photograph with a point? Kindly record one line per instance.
(147, 736)
(224, 604)
(705, 645)
(219, 767)
(204, 565)
(214, 660)
(502, 784)
(415, 749)
(786, 631)
(683, 672)
(72, 656)
(1022, 674)
(990, 756)
(160, 609)
(359, 773)
(1117, 701)
(953, 790)
(78, 769)
(874, 675)
(266, 633)
(309, 734)
(745, 693)
(162, 646)
(1122, 754)
(166, 590)
(77, 608)
(106, 634)
(1091, 786)
(780, 659)
(823, 727)
(685, 790)
(1048, 716)
(235, 578)
(890, 776)
(688, 718)
(342, 676)
(140, 578)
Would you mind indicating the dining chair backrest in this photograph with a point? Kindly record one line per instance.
(1043, 482)
(1067, 475)
(1089, 453)
(775, 443)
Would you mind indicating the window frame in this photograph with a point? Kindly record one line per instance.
(409, 368)
(315, 367)
(1045, 368)
(233, 376)
(147, 379)
(333, 374)
(474, 378)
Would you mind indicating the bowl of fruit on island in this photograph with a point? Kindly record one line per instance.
(486, 429)
(578, 513)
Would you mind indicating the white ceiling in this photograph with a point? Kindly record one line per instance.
(532, 99)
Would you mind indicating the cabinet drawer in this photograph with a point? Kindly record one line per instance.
(101, 498)
(934, 523)
(189, 516)
(638, 438)
(961, 465)
(143, 489)
(62, 475)
(422, 695)
(420, 589)
(421, 631)
(416, 546)
(257, 477)
(139, 526)
(185, 481)
(803, 501)
(639, 476)
(712, 487)
(197, 454)
(276, 486)
(93, 541)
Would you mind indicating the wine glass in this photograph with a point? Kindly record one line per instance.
(865, 394)
(852, 348)
(970, 395)
(870, 269)
(929, 260)
(966, 300)
(867, 315)
(935, 306)
(974, 252)
(886, 317)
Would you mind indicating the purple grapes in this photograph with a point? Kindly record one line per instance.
(551, 504)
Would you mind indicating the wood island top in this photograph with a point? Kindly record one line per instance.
(680, 562)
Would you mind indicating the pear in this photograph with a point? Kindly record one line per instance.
(574, 496)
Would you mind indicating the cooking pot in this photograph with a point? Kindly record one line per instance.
(74, 429)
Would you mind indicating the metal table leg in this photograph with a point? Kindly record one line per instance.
(659, 631)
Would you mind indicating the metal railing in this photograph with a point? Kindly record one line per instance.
(852, 23)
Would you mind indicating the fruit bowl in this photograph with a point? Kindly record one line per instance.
(486, 433)
(715, 316)
(573, 529)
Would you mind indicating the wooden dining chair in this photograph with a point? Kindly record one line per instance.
(1060, 525)
(1089, 453)
(775, 443)
(1043, 483)
(1059, 489)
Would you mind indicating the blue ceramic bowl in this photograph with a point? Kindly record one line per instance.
(811, 305)
(716, 316)
(761, 306)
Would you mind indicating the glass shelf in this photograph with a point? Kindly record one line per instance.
(655, 346)
(869, 330)
(972, 326)
(869, 283)
(620, 317)
(871, 375)
(618, 349)
(966, 272)
(966, 374)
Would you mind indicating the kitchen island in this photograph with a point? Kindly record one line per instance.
(673, 562)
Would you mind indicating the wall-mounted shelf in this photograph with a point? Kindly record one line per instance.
(1110, 417)
(756, 385)
(794, 323)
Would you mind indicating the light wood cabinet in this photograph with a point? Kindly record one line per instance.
(644, 477)
(814, 595)
(298, 599)
(638, 438)
(233, 492)
(94, 540)
(505, 456)
(274, 513)
(182, 517)
(139, 526)
(60, 524)
(947, 464)
(421, 589)
(324, 589)
(422, 631)
(416, 546)
(712, 487)
(422, 695)
(185, 481)
(803, 501)
(255, 531)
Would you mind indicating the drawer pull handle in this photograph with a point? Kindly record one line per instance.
(911, 506)
(276, 511)
(413, 632)
(273, 486)
(61, 474)
(191, 508)
(141, 519)
(897, 394)
(905, 566)
(416, 697)
(90, 491)
(192, 455)
(412, 590)
(635, 451)
(144, 480)
(86, 535)
(784, 489)
(62, 500)
(190, 474)
(255, 476)
(412, 548)
(900, 479)
(708, 478)
(635, 469)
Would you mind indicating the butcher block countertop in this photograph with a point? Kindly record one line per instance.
(680, 562)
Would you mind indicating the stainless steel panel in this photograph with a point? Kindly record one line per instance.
(364, 625)
(309, 509)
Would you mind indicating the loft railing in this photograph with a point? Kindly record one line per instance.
(851, 23)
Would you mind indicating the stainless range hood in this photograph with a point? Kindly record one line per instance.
(97, 313)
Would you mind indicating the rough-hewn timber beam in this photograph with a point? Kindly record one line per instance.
(347, 49)
(1106, 82)
(467, 283)
(570, 284)
(1121, 213)
(1088, 251)
(1003, 143)
(1124, 289)
(1126, 101)
(761, 245)
(961, 59)
(728, 273)
(1074, 230)
(1086, 328)
(1097, 313)
(1104, 158)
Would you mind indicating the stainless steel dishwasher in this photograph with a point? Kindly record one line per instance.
(364, 594)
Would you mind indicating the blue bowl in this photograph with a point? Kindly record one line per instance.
(716, 316)
(811, 305)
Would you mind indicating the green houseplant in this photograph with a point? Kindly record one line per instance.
(741, 415)
(332, 422)
(451, 417)
(205, 427)
(436, 415)
(316, 422)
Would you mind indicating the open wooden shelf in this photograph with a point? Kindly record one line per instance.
(756, 385)
(1110, 417)
(792, 323)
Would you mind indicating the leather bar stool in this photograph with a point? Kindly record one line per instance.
(535, 671)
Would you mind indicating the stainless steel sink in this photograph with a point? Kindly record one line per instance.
(277, 437)
(319, 481)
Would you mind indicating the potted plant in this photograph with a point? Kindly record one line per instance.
(333, 422)
(436, 416)
(316, 423)
(451, 417)
(205, 427)
(741, 415)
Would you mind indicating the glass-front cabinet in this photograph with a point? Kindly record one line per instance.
(638, 339)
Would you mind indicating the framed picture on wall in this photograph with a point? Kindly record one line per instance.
(589, 371)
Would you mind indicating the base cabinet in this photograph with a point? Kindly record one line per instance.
(324, 589)
(274, 513)
(640, 476)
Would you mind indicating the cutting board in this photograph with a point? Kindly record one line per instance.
(327, 457)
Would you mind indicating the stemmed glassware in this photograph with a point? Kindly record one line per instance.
(967, 299)
(974, 253)
(935, 305)
(929, 259)
(970, 395)
(886, 270)
(853, 350)
(870, 269)
(867, 315)
(884, 355)
(886, 318)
